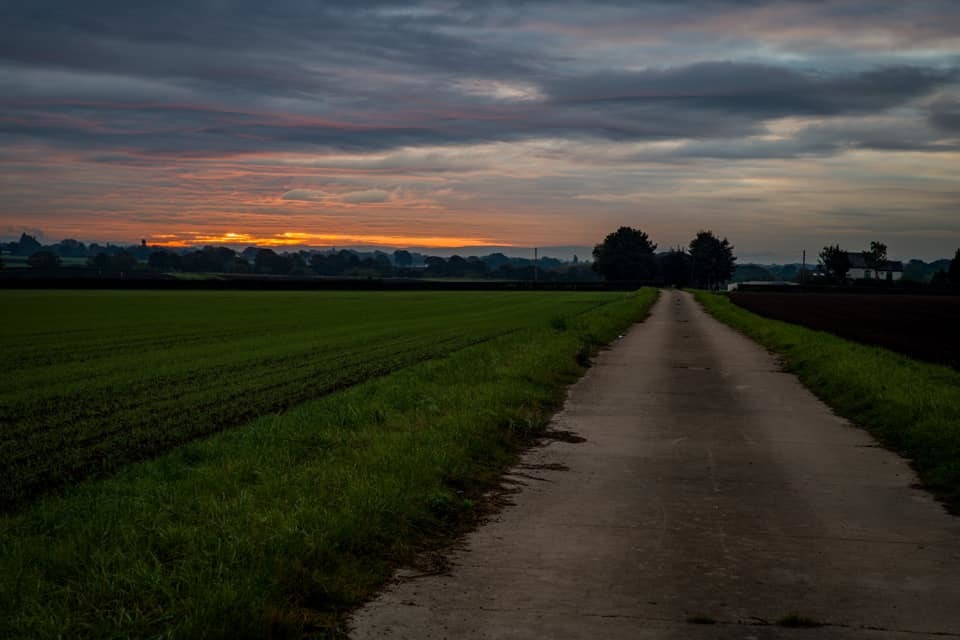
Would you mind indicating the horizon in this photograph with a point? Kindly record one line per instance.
(782, 126)
(563, 253)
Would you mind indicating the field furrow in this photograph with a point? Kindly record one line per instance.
(102, 379)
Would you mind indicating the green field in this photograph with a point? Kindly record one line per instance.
(381, 416)
(96, 380)
(910, 406)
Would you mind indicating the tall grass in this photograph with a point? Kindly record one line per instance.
(910, 406)
(272, 528)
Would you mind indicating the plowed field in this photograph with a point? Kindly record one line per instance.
(923, 327)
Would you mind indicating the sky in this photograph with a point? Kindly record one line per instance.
(783, 126)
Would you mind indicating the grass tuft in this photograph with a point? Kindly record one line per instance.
(910, 406)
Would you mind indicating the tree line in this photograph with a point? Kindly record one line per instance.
(835, 264)
(629, 254)
(255, 260)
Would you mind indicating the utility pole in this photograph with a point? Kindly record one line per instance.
(536, 258)
(803, 269)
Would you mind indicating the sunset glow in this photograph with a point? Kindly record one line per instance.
(299, 239)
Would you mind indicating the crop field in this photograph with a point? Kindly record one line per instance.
(923, 327)
(95, 380)
(277, 525)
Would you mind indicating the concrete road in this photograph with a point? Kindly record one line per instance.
(711, 487)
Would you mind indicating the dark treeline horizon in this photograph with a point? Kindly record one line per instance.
(320, 262)
(109, 257)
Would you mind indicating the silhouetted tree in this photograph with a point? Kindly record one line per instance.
(954, 271)
(436, 266)
(712, 260)
(457, 266)
(835, 261)
(70, 248)
(28, 245)
(876, 257)
(100, 261)
(675, 267)
(44, 260)
(402, 258)
(269, 261)
(940, 279)
(164, 261)
(123, 261)
(495, 260)
(334, 264)
(625, 254)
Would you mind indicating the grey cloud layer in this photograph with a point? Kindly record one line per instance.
(206, 77)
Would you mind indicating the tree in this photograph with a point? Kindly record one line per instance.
(44, 260)
(28, 245)
(940, 279)
(712, 260)
(164, 261)
(402, 258)
(876, 257)
(954, 271)
(675, 267)
(625, 254)
(101, 261)
(835, 261)
(436, 266)
(70, 248)
(269, 261)
(123, 261)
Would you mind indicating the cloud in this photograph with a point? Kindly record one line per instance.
(305, 195)
(368, 196)
(760, 90)
(945, 115)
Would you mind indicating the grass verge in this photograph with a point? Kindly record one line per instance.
(271, 529)
(912, 407)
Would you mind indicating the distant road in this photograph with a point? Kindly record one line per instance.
(711, 488)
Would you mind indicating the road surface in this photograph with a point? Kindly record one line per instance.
(711, 488)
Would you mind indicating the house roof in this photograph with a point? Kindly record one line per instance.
(859, 261)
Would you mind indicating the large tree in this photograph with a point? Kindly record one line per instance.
(954, 271)
(835, 261)
(625, 254)
(712, 260)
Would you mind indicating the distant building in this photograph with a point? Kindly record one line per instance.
(860, 270)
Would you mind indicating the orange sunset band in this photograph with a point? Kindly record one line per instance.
(296, 238)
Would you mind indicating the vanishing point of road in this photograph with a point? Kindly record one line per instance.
(712, 497)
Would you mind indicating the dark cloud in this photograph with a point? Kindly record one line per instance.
(945, 116)
(132, 82)
(761, 90)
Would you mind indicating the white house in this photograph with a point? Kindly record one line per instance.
(860, 270)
